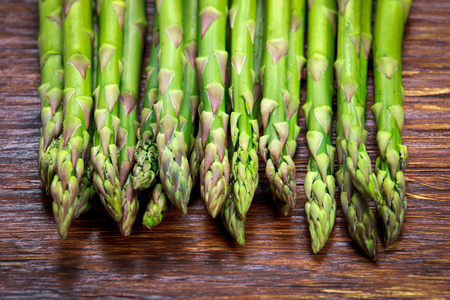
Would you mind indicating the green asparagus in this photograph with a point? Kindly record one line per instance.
(258, 60)
(211, 143)
(320, 187)
(232, 221)
(70, 166)
(295, 64)
(189, 109)
(134, 29)
(244, 128)
(50, 42)
(104, 153)
(146, 168)
(389, 114)
(171, 139)
(280, 168)
(157, 207)
(351, 135)
(87, 189)
(351, 143)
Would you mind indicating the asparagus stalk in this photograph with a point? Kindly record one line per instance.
(104, 154)
(244, 128)
(87, 190)
(171, 140)
(157, 207)
(50, 42)
(388, 110)
(351, 134)
(351, 143)
(295, 63)
(146, 168)
(190, 79)
(134, 29)
(258, 60)
(70, 167)
(320, 188)
(95, 65)
(189, 109)
(232, 221)
(197, 151)
(280, 168)
(211, 141)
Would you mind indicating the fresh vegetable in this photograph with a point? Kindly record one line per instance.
(104, 153)
(71, 175)
(389, 114)
(244, 128)
(50, 42)
(320, 187)
(171, 139)
(258, 60)
(157, 207)
(189, 108)
(232, 221)
(280, 168)
(351, 72)
(211, 144)
(146, 168)
(134, 29)
(295, 64)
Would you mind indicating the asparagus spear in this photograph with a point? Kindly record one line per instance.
(258, 60)
(280, 168)
(388, 110)
(211, 142)
(87, 189)
(320, 188)
(351, 134)
(351, 143)
(134, 29)
(232, 221)
(244, 128)
(191, 100)
(295, 63)
(157, 207)
(104, 154)
(95, 66)
(70, 167)
(171, 140)
(50, 42)
(189, 15)
(146, 169)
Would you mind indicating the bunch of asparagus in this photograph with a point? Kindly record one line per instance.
(205, 53)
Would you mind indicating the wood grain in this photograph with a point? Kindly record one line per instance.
(192, 255)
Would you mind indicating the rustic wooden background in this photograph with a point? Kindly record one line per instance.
(192, 256)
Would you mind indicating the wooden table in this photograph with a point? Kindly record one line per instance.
(192, 255)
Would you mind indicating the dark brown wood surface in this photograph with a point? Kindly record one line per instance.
(192, 255)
